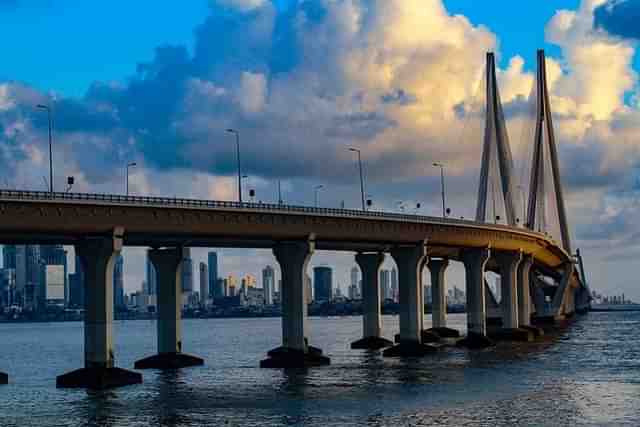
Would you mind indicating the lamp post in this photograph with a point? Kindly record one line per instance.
(129, 165)
(237, 134)
(355, 150)
(444, 208)
(317, 190)
(48, 110)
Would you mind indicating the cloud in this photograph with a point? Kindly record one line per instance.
(619, 18)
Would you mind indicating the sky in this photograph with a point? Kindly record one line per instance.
(158, 82)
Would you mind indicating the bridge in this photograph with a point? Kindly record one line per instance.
(539, 278)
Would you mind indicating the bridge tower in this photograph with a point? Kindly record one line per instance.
(544, 152)
(496, 149)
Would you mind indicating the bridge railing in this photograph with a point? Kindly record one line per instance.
(219, 204)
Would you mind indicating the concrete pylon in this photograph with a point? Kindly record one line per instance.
(438, 267)
(524, 291)
(98, 256)
(295, 352)
(168, 266)
(410, 261)
(496, 143)
(475, 261)
(370, 264)
(545, 142)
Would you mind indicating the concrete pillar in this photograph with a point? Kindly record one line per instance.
(524, 292)
(293, 258)
(475, 261)
(437, 267)
(508, 263)
(410, 261)
(98, 257)
(372, 319)
(168, 267)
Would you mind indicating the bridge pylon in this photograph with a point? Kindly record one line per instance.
(496, 148)
(545, 156)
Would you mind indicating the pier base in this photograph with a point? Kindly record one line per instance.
(475, 341)
(537, 332)
(4, 378)
(283, 357)
(371, 343)
(98, 378)
(512, 334)
(410, 349)
(444, 332)
(168, 361)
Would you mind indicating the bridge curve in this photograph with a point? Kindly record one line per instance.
(41, 217)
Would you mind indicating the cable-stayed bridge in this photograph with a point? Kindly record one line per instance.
(541, 279)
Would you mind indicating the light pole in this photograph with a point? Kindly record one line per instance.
(129, 165)
(317, 190)
(444, 204)
(355, 150)
(279, 193)
(48, 110)
(237, 134)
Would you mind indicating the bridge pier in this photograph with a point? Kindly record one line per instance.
(295, 351)
(437, 268)
(98, 260)
(168, 266)
(410, 262)
(509, 263)
(524, 297)
(370, 264)
(475, 261)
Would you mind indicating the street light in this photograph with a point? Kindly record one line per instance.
(129, 165)
(444, 209)
(237, 134)
(48, 110)
(355, 150)
(317, 190)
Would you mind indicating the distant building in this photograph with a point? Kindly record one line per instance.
(118, 284)
(268, 284)
(9, 257)
(386, 291)
(204, 283)
(151, 282)
(187, 272)
(52, 255)
(253, 297)
(322, 284)
(7, 287)
(52, 286)
(394, 284)
(215, 291)
(308, 290)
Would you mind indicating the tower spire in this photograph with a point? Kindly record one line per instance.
(495, 136)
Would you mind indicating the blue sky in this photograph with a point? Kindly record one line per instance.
(66, 45)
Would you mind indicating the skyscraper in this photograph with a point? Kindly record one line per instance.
(322, 284)
(187, 272)
(152, 280)
(204, 284)
(394, 284)
(268, 283)
(9, 256)
(52, 255)
(215, 291)
(76, 286)
(118, 283)
(385, 284)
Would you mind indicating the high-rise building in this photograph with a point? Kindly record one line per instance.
(204, 284)
(355, 275)
(268, 282)
(152, 279)
(308, 289)
(385, 285)
(76, 286)
(394, 284)
(33, 274)
(9, 256)
(7, 287)
(118, 283)
(187, 272)
(215, 291)
(322, 283)
(52, 255)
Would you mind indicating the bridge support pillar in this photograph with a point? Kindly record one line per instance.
(410, 262)
(475, 261)
(372, 320)
(98, 259)
(295, 351)
(509, 263)
(524, 297)
(168, 266)
(438, 267)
